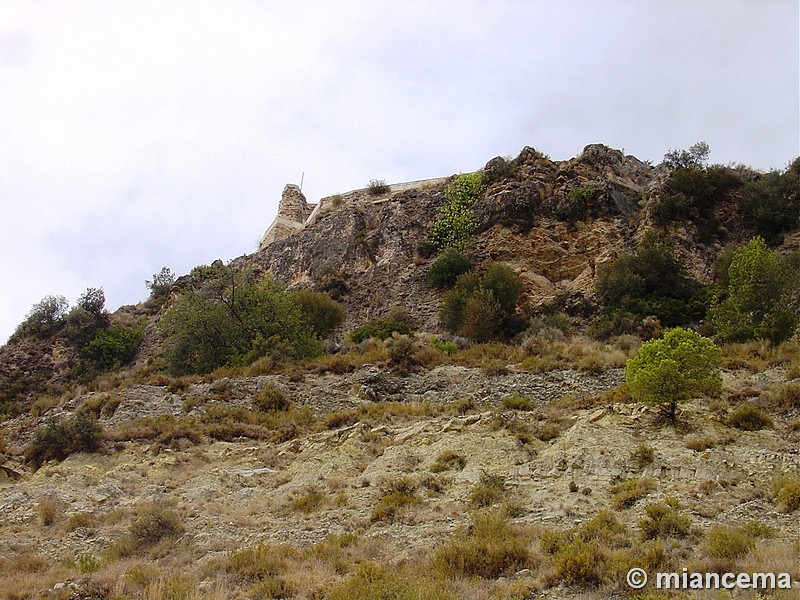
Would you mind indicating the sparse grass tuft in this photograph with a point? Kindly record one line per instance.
(398, 496)
(448, 460)
(786, 491)
(488, 491)
(626, 493)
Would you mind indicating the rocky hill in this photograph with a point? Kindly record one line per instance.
(423, 466)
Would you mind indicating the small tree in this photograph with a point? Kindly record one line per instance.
(758, 305)
(679, 366)
(693, 158)
(45, 316)
(162, 282)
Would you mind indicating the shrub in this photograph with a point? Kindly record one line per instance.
(491, 547)
(398, 495)
(448, 460)
(377, 187)
(580, 563)
(575, 206)
(155, 523)
(648, 282)
(456, 222)
(308, 502)
(401, 350)
(674, 368)
(727, 542)
(112, 348)
(643, 454)
(749, 418)
(483, 308)
(231, 321)
(161, 283)
(373, 582)
(626, 493)
(380, 328)
(271, 399)
(44, 318)
(518, 402)
(448, 348)
(771, 204)
(321, 312)
(444, 272)
(758, 302)
(664, 521)
(786, 490)
(488, 491)
(693, 158)
(60, 438)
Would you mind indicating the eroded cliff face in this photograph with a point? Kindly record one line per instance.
(364, 251)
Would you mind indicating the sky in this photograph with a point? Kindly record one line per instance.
(137, 134)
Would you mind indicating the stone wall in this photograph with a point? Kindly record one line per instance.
(295, 213)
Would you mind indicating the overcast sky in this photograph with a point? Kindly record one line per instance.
(140, 134)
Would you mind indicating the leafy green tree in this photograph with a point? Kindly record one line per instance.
(161, 283)
(233, 319)
(693, 158)
(759, 296)
(771, 203)
(674, 368)
(45, 317)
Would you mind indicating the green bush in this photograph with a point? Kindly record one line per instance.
(693, 158)
(456, 222)
(483, 308)
(692, 194)
(771, 203)
(576, 204)
(60, 438)
(749, 418)
(381, 328)
(232, 320)
(161, 283)
(759, 291)
(444, 272)
(321, 312)
(44, 318)
(674, 368)
(650, 281)
(112, 348)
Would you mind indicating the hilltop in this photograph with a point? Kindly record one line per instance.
(360, 409)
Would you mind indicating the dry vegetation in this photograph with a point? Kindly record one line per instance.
(408, 500)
